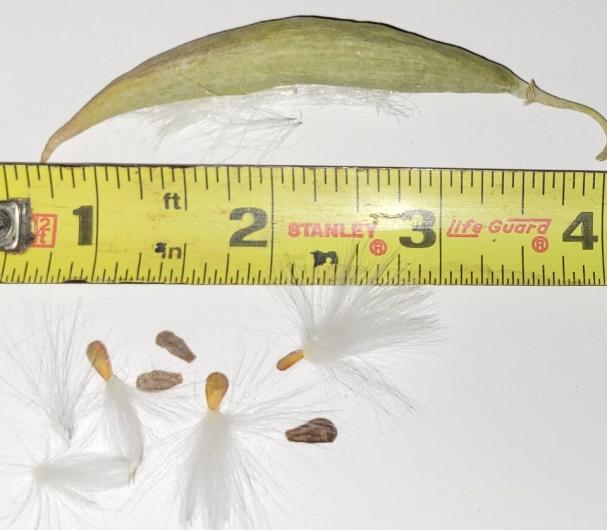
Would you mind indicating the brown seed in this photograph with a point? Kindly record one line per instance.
(216, 388)
(158, 380)
(99, 359)
(289, 360)
(316, 431)
(175, 346)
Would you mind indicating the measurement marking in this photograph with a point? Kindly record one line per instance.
(204, 272)
(563, 266)
(48, 265)
(272, 225)
(25, 271)
(440, 224)
(50, 182)
(185, 193)
(185, 250)
(116, 271)
(357, 194)
(161, 180)
(522, 193)
(314, 194)
(524, 280)
(543, 183)
(4, 260)
(137, 273)
(69, 274)
(96, 250)
(603, 227)
(140, 187)
(563, 192)
(482, 269)
(73, 178)
(482, 188)
(228, 182)
(27, 176)
(399, 189)
(584, 274)
(503, 181)
(583, 184)
(6, 196)
(118, 178)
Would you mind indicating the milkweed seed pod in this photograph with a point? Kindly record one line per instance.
(306, 51)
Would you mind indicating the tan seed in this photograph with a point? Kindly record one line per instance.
(158, 380)
(175, 346)
(316, 431)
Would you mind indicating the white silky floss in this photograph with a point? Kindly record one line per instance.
(253, 126)
(51, 371)
(66, 491)
(357, 338)
(222, 464)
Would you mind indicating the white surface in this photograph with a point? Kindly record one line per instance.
(511, 431)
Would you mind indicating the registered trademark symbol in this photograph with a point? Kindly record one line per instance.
(378, 247)
(540, 244)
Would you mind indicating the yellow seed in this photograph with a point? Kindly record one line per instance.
(216, 388)
(99, 359)
(290, 359)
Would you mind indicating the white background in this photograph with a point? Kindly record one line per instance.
(511, 432)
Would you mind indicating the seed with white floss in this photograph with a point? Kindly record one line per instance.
(69, 491)
(120, 420)
(221, 464)
(50, 372)
(357, 337)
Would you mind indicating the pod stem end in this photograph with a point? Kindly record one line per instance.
(536, 95)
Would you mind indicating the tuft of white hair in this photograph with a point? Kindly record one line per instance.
(223, 463)
(357, 338)
(257, 124)
(120, 421)
(67, 491)
(51, 369)
(129, 417)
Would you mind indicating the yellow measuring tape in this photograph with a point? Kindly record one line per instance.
(291, 224)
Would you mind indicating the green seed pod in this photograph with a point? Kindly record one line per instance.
(303, 51)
